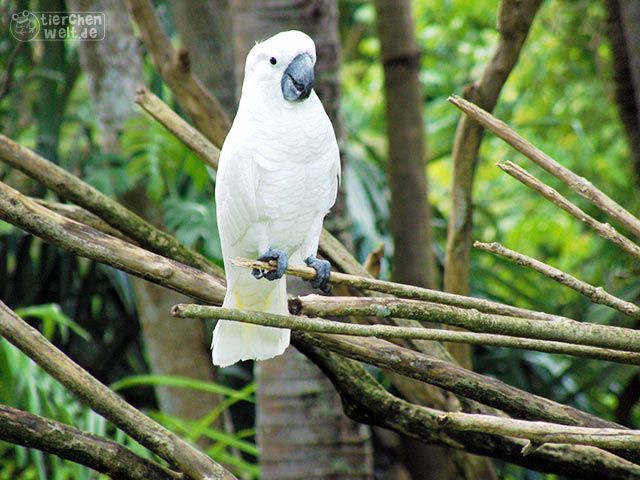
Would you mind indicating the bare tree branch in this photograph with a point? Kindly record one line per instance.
(576, 183)
(76, 237)
(102, 400)
(192, 138)
(540, 433)
(75, 190)
(406, 291)
(595, 294)
(100, 454)
(366, 401)
(319, 325)
(605, 230)
(564, 330)
(174, 67)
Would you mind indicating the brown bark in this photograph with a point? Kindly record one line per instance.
(114, 71)
(410, 213)
(514, 20)
(301, 431)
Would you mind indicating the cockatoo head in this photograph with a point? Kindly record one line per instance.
(282, 65)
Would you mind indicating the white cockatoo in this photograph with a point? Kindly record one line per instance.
(277, 179)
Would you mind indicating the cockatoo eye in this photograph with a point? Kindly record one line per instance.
(273, 60)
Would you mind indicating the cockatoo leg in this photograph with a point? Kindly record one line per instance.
(280, 257)
(323, 271)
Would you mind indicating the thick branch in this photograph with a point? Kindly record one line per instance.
(100, 454)
(76, 237)
(102, 400)
(565, 330)
(595, 294)
(605, 230)
(174, 67)
(406, 291)
(544, 432)
(317, 325)
(173, 122)
(576, 183)
(75, 190)
(366, 401)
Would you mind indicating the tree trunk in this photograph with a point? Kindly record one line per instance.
(114, 70)
(205, 28)
(624, 33)
(302, 431)
(413, 259)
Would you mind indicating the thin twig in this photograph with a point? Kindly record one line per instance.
(595, 294)
(173, 122)
(406, 291)
(101, 454)
(318, 325)
(605, 230)
(73, 189)
(575, 182)
(544, 432)
(103, 401)
(565, 330)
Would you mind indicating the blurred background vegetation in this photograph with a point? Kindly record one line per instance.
(560, 96)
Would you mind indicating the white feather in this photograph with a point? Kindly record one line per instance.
(277, 179)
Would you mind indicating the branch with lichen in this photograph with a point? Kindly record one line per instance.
(595, 294)
(100, 454)
(320, 325)
(103, 401)
(562, 330)
(73, 189)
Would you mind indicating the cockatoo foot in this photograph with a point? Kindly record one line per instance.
(323, 271)
(272, 254)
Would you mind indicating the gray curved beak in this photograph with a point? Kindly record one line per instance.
(297, 79)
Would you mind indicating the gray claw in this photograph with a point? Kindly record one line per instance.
(272, 254)
(323, 272)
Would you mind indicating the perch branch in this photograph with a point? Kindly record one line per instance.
(365, 400)
(175, 68)
(605, 230)
(75, 190)
(100, 454)
(83, 240)
(405, 291)
(565, 330)
(575, 182)
(317, 325)
(595, 294)
(540, 433)
(173, 122)
(103, 401)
